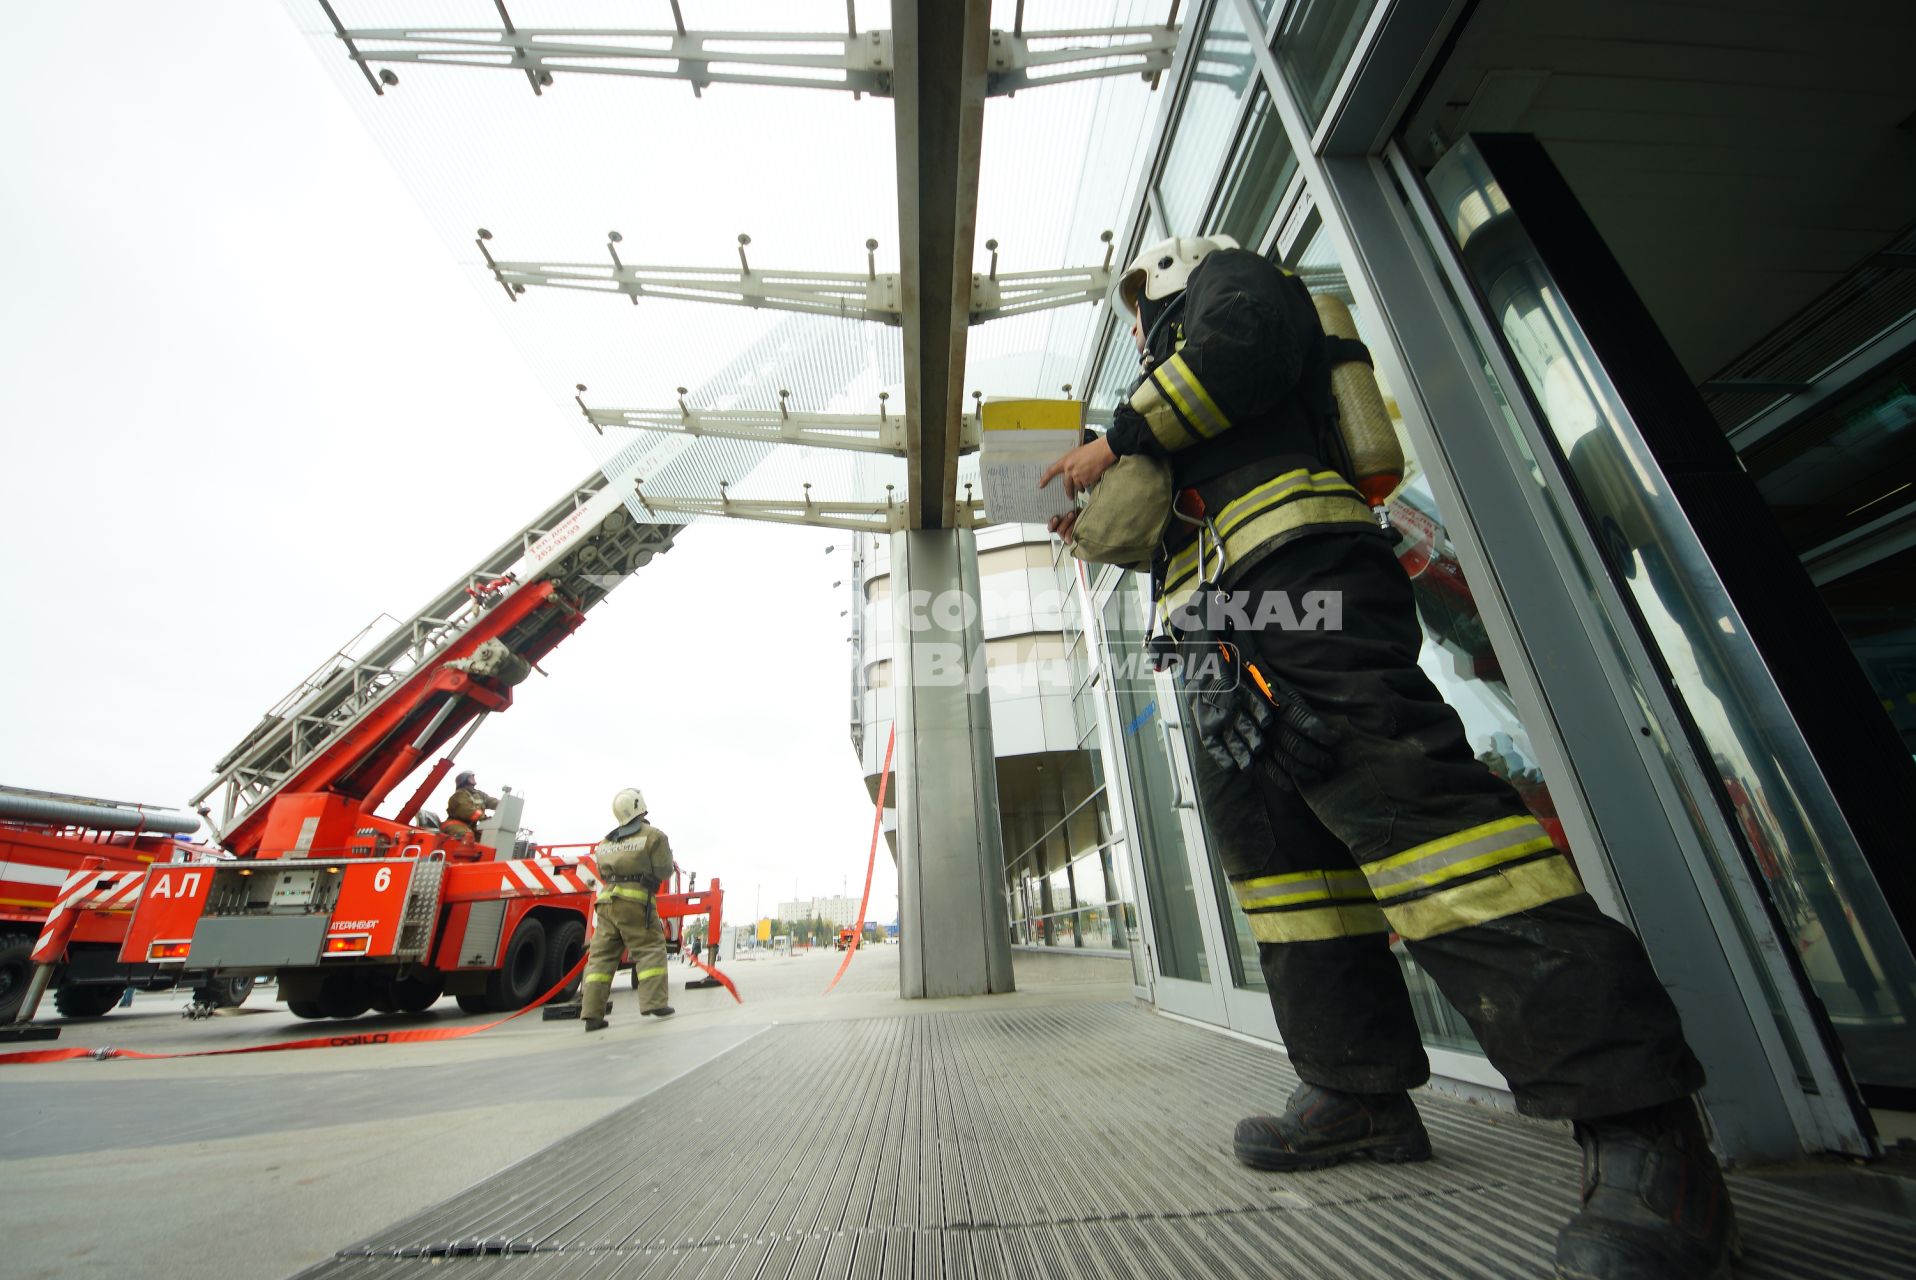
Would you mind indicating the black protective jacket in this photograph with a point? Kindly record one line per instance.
(1239, 400)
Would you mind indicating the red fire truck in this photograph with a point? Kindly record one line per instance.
(353, 910)
(43, 839)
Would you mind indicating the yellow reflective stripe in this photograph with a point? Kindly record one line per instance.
(1300, 886)
(649, 973)
(1242, 512)
(1176, 380)
(1171, 431)
(1239, 510)
(1298, 513)
(624, 893)
(1457, 855)
(598, 977)
(1491, 898)
(1314, 924)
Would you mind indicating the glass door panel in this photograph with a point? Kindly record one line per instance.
(1160, 800)
(1825, 480)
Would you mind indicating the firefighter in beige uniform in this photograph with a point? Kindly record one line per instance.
(467, 808)
(634, 860)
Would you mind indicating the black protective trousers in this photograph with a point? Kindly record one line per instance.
(1411, 836)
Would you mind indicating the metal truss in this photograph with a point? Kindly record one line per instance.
(880, 432)
(888, 516)
(858, 63)
(873, 295)
(350, 684)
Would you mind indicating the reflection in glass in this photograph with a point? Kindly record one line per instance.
(1846, 941)
(1222, 71)
(1119, 373)
(1842, 483)
(1258, 174)
(1846, 469)
(1314, 46)
(1154, 795)
(1876, 607)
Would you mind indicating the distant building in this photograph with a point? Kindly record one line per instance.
(835, 911)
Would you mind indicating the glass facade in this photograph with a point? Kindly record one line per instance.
(1158, 791)
(1818, 885)
(1314, 46)
(1223, 71)
(1842, 482)
(1236, 159)
(1260, 171)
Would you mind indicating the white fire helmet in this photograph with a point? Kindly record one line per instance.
(628, 804)
(1161, 269)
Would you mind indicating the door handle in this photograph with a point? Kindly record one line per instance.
(1179, 800)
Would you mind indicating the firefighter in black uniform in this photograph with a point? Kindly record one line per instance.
(1346, 804)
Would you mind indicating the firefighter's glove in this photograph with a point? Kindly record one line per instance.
(1228, 723)
(1287, 743)
(1303, 743)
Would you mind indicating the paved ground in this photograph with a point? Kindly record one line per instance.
(257, 1165)
(1064, 1130)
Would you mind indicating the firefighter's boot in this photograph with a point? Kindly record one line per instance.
(1322, 1127)
(1654, 1203)
(663, 1011)
(595, 1024)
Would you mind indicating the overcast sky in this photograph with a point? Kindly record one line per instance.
(250, 401)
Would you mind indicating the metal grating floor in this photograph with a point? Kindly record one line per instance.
(1081, 1141)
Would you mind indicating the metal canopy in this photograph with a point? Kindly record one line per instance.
(941, 47)
(857, 62)
(781, 409)
(870, 296)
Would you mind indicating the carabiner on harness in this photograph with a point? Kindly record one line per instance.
(1207, 582)
(1163, 643)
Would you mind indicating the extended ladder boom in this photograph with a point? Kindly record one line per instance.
(360, 722)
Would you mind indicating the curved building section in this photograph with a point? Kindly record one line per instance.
(1063, 888)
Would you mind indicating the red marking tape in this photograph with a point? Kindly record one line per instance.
(878, 821)
(723, 980)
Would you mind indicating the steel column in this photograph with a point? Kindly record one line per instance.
(954, 926)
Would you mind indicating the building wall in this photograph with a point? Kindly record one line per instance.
(1026, 662)
(839, 912)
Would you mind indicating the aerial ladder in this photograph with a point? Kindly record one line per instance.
(353, 910)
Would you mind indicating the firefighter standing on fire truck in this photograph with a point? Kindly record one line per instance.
(467, 808)
(634, 859)
(1347, 806)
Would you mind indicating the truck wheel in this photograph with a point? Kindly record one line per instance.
(515, 983)
(16, 971)
(564, 945)
(92, 1001)
(342, 995)
(305, 1009)
(226, 993)
(416, 992)
(473, 1002)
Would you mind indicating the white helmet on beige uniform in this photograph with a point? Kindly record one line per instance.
(628, 804)
(1161, 269)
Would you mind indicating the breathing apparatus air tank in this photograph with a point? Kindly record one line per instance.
(1363, 423)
